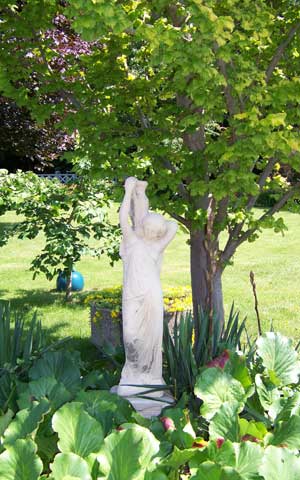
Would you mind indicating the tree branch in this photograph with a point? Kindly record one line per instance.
(182, 190)
(230, 102)
(74, 101)
(180, 219)
(278, 205)
(280, 50)
(221, 212)
(261, 182)
(195, 141)
(232, 244)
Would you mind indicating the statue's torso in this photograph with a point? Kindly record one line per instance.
(141, 266)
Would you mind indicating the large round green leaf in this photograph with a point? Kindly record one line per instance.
(233, 461)
(78, 432)
(212, 471)
(127, 454)
(70, 465)
(20, 462)
(279, 358)
(286, 434)
(268, 395)
(48, 387)
(46, 441)
(215, 387)
(109, 409)
(225, 423)
(280, 464)
(289, 406)
(247, 460)
(179, 457)
(63, 366)
(26, 422)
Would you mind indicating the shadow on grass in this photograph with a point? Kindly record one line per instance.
(7, 225)
(28, 301)
(41, 298)
(3, 292)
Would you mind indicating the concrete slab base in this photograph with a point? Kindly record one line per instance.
(148, 407)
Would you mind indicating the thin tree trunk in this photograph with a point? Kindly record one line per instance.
(206, 281)
(69, 287)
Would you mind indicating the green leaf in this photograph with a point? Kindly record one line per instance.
(20, 462)
(179, 457)
(128, 453)
(26, 422)
(62, 365)
(274, 119)
(289, 406)
(211, 471)
(279, 357)
(225, 423)
(5, 420)
(286, 434)
(267, 394)
(48, 387)
(109, 409)
(78, 432)
(280, 464)
(70, 465)
(156, 475)
(237, 367)
(238, 461)
(183, 436)
(248, 458)
(216, 387)
(255, 429)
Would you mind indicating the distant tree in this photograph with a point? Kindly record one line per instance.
(37, 143)
(200, 97)
(25, 145)
(73, 219)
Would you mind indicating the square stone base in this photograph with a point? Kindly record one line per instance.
(148, 407)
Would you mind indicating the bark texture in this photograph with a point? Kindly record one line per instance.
(206, 279)
(69, 287)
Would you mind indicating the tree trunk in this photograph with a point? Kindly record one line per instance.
(206, 281)
(69, 287)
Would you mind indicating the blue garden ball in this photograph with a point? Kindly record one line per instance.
(77, 282)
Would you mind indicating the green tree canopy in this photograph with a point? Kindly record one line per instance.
(200, 97)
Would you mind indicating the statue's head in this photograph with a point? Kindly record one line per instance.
(154, 226)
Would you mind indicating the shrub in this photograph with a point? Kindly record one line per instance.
(247, 426)
(21, 343)
(183, 357)
(178, 299)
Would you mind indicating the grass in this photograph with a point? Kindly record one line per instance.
(273, 258)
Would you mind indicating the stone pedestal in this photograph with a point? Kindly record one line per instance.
(148, 407)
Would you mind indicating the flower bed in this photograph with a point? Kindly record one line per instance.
(106, 312)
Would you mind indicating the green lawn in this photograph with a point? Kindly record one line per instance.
(274, 259)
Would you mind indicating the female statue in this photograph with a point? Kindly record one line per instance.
(142, 303)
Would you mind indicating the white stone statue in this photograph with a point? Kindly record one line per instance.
(141, 250)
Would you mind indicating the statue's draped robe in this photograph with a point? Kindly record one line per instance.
(142, 308)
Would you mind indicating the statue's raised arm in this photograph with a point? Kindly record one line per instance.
(171, 229)
(125, 209)
(139, 206)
